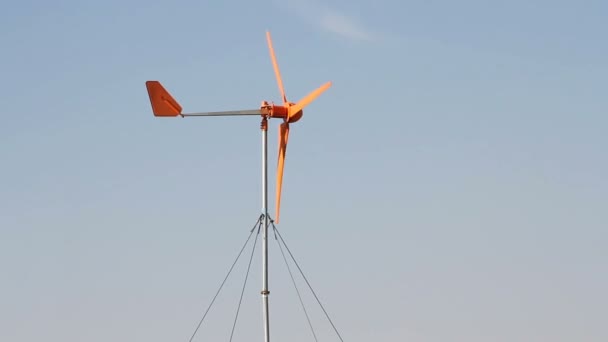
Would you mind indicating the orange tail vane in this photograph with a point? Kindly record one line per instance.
(283, 136)
(275, 65)
(163, 104)
(293, 110)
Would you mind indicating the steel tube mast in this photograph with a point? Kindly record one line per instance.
(265, 292)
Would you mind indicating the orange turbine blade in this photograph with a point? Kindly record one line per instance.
(283, 136)
(275, 65)
(163, 104)
(308, 99)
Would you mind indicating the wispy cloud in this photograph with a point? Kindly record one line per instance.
(344, 26)
(331, 20)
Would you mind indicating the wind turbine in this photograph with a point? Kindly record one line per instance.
(164, 105)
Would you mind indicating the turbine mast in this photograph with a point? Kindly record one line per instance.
(265, 292)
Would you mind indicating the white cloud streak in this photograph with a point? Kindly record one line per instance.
(344, 26)
(330, 20)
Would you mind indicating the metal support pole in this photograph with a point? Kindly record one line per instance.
(265, 292)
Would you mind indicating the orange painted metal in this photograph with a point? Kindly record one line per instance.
(283, 136)
(163, 104)
(275, 65)
(295, 111)
(289, 112)
(274, 111)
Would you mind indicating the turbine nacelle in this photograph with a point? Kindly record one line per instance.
(281, 111)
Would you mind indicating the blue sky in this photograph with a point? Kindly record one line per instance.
(451, 185)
